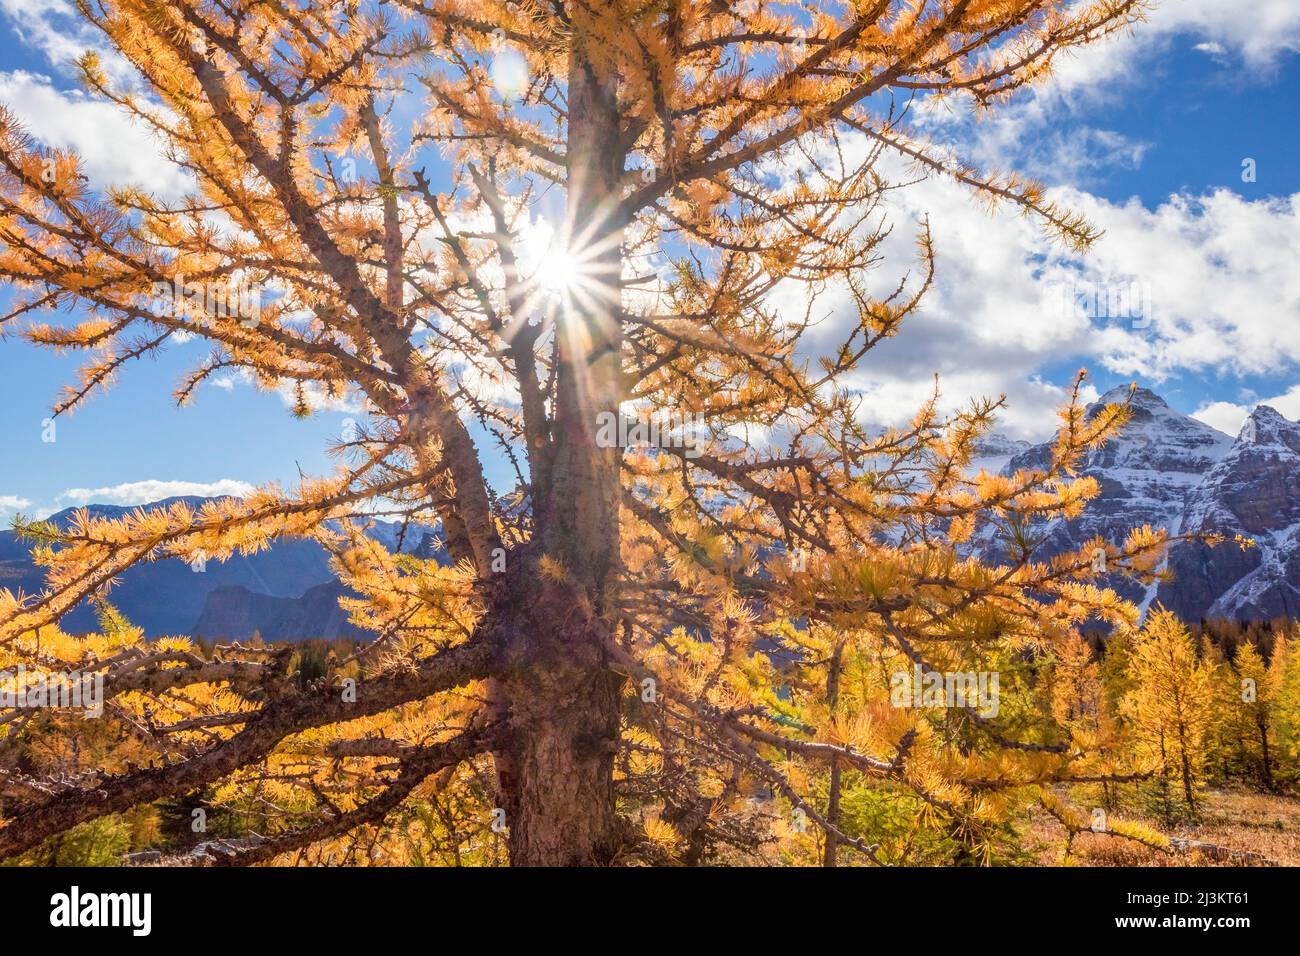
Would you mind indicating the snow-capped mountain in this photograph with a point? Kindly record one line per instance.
(1253, 491)
(994, 452)
(1169, 470)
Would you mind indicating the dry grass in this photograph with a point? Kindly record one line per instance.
(1240, 821)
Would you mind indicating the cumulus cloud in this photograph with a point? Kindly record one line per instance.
(1222, 282)
(144, 492)
(1228, 416)
(1259, 36)
(113, 150)
(1040, 136)
(1046, 134)
(1205, 282)
(10, 503)
(351, 402)
(1256, 38)
(55, 28)
(1214, 272)
(289, 391)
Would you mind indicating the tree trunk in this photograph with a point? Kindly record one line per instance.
(1164, 779)
(564, 718)
(830, 852)
(557, 775)
(1268, 766)
(1188, 787)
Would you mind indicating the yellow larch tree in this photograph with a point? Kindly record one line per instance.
(639, 637)
(1284, 690)
(1256, 701)
(1169, 709)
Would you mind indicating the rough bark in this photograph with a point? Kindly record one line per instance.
(831, 851)
(557, 774)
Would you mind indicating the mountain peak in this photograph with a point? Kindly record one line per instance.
(1157, 440)
(1169, 470)
(1267, 426)
(1142, 398)
(996, 443)
(1254, 491)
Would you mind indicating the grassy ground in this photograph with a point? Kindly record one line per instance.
(1242, 821)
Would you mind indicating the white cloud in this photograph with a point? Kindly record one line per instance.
(114, 151)
(1258, 32)
(1217, 269)
(56, 29)
(144, 492)
(1043, 134)
(1288, 403)
(1257, 35)
(1040, 136)
(1215, 274)
(1228, 416)
(350, 402)
(1221, 276)
(13, 503)
(1225, 416)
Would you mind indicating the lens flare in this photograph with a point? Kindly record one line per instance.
(509, 72)
(558, 272)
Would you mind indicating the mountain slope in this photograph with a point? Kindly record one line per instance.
(1253, 491)
(235, 613)
(1146, 475)
(169, 597)
(1166, 469)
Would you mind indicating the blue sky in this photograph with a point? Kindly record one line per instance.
(1147, 136)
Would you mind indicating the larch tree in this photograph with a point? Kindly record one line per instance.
(1256, 697)
(1227, 731)
(627, 646)
(1170, 709)
(1284, 692)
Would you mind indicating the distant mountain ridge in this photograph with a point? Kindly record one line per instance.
(1165, 469)
(287, 590)
(1172, 471)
